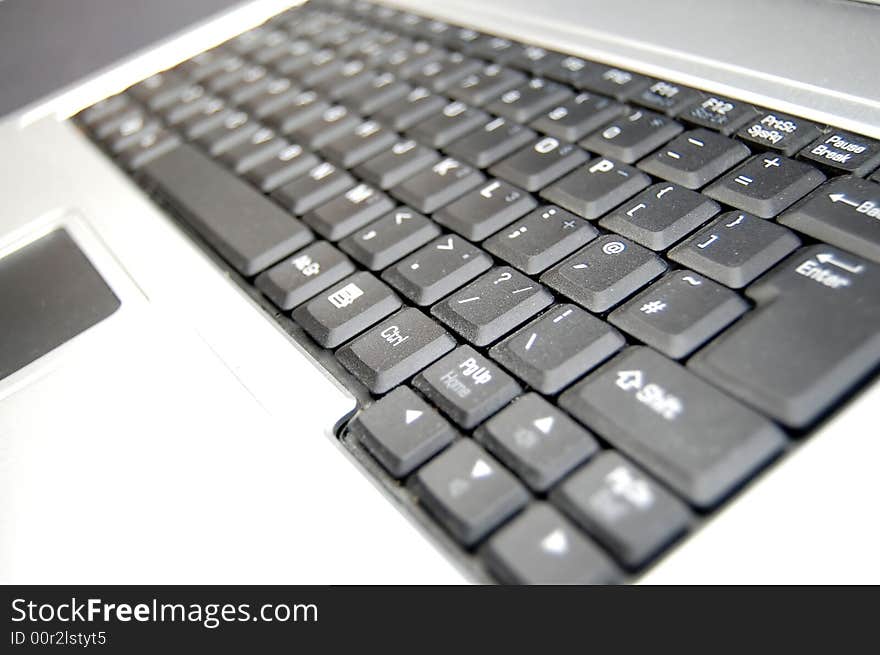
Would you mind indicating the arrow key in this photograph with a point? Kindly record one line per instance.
(386, 240)
(402, 431)
(845, 212)
(537, 441)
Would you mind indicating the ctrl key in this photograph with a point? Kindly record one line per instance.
(468, 491)
(542, 547)
(396, 349)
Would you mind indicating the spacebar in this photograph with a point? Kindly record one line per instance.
(246, 228)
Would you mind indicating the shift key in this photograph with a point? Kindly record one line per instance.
(699, 441)
(814, 335)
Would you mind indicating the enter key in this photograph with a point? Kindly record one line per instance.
(814, 335)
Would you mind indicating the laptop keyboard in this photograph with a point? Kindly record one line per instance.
(581, 307)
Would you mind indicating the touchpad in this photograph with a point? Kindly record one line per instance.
(49, 293)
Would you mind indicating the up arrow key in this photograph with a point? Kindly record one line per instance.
(412, 415)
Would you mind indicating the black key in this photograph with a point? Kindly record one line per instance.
(433, 187)
(610, 81)
(779, 132)
(401, 161)
(528, 100)
(592, 190)
(717, 113)
(333, 123)
(261, 146)
(735, 248)
(541, 239)
(766, 184)
(414, 107)
(461, 38)
(578, 117)
(812, 337)
(481, 86)
(191, 102)
(554, 350)
(317, 186)
(402, 431)
(492, 305)
(366, 140)
(395, 350)
(209, 63)
(249, 84)
(661, 215)
(353, 75)
(694, 158)
(122, 123)
(318, 66)
(493, 48)
(291, 58)
(498, 138)
(209, 115)
(633, 135)
(845, 152)
(304, 274)
(626, 511)
(535, 60)
(379, 92)
(679, 313)
(466, 386)
(536, 441)
(604, 273)
(247, 229)
(150, 145)
(440, 74)
(540, 163)
(407, 59)
(437, 269)
(452, 122)
(668, 97)
(566, 70)
(694, 438)
(235, 129)
(391, 237)
(104, 109)
(845, 212)
(339, 217)
(346, 309)
(541, 547)
(300, 110)
(468, 491)
(288, 164)
(485, 210)
(158, 90)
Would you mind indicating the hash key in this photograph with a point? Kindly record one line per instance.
(633, 135)
(541, 547)
(485, 210)
(466, 386)
(402, 431)
(623, 508)
(604, 273)
(344, 310)
(468, 491)
(694, 158)
(735, 248)
(690, 435)
(437, 269)
(391, 237)
(555, 349)
(593, 189)
(537, 441)
(766, 184)
(661, 215)
(679, 313)
(540, 163)
(492, 305)
(395, 349)
(541, 239)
